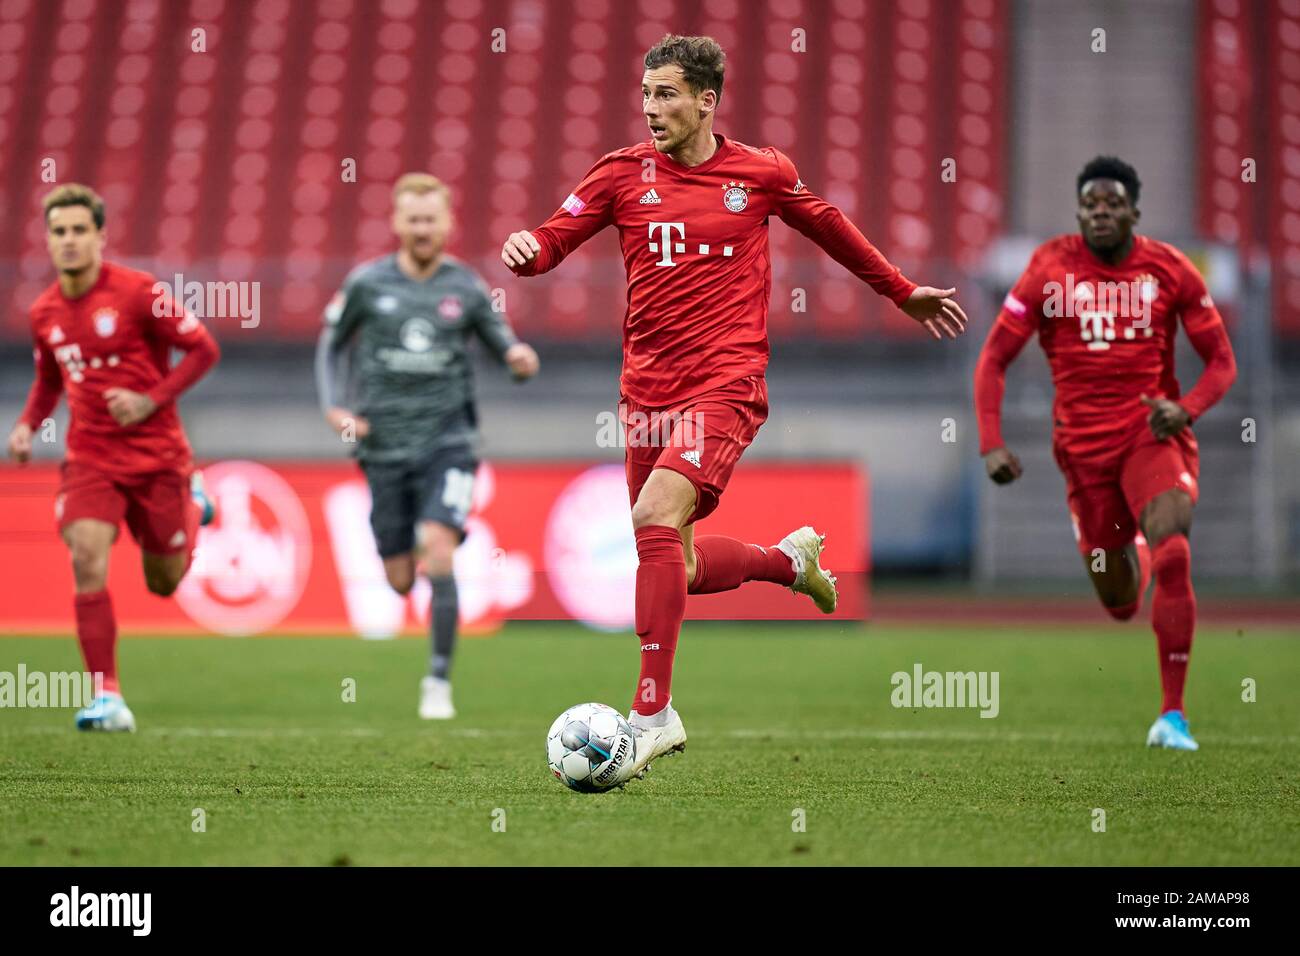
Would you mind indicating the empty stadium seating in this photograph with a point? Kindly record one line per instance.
(222, 134)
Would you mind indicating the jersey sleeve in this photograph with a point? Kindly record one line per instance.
(1023, 305)
(1013, 327)
(46, 388)
(342, 317)
(827, 226)
(1195, 308)
(170, 322)
(588, 210)
(1208, 335)
(491, 326)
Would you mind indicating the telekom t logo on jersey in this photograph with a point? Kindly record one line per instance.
(665, 244)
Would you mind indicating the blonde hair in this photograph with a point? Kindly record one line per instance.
(74, 194)
(421, 184)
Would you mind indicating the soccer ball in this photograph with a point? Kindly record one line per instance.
(588, 746)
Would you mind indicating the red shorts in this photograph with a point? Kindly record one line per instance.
(701, 439)
(154, 504)
(1107, 495)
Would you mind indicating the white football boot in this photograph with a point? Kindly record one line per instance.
(107, 712)
(804, 548)
(435, 699)
(668, 736)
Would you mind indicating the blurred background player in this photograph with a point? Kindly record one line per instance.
(103, 334)
(1105, 305)
(405, 320)
(691, 208)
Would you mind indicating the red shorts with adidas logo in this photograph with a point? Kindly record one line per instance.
(701, 439)
(154, 505)
(1107, 495)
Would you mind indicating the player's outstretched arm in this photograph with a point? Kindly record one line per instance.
(826, 225)
(587, 211)
(937, 311)
(519, 249)
(1004, 343)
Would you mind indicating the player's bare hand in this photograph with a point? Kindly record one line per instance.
(348, 423)
(20, 443)
(522, 361)
(520, 248)
(1002, 466)
(128, 407)
(1167, 418)
(937, 310)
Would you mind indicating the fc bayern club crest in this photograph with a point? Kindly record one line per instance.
(105, 321)
(736, 197)
(450, 308)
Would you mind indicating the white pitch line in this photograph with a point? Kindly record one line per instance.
(218, 731)
(990, 736)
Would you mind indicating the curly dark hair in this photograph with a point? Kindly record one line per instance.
(701, 59)
(1111, 167)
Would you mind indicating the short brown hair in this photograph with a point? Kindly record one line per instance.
(420, 184)
(701, 59)
(75, 194)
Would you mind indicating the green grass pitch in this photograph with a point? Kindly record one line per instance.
(781, 719)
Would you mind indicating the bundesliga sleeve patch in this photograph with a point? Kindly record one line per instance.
(1012, 304)
(573, 205)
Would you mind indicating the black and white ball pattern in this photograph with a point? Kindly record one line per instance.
(587, 747)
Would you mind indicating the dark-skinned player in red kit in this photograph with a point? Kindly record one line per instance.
(1105, 304)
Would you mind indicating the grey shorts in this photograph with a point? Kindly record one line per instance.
(438, 487)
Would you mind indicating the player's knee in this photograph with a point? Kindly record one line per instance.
(401, 581)
(89, 564)
(439, 544)
(654, 512)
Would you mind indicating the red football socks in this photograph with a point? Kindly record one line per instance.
(723, 563)
(1173, 615)
(660, 606)
(97, 635)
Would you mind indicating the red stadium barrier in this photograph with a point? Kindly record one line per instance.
(291, 551)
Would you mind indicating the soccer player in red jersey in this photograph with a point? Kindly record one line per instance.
(1105, 305)
(692, 208)
(103, 335)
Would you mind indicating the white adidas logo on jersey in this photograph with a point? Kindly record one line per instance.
(693, 457)
(650, 198)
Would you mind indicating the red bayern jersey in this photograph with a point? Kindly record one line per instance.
(695, 247)
(119, 334)
(1108, 332)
